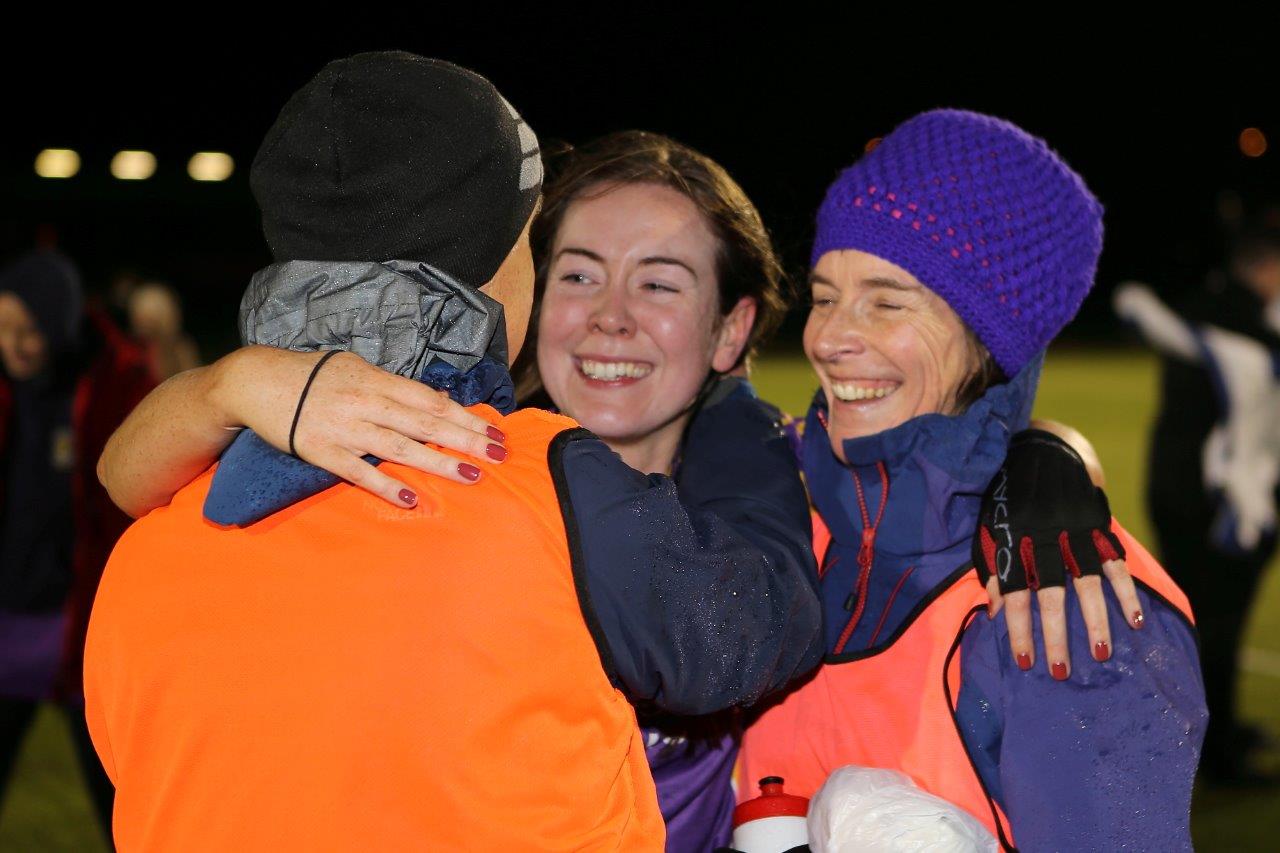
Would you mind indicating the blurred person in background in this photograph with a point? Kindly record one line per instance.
(68, 377)
(155, 319)
(1215, 464)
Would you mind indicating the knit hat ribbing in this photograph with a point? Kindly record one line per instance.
(982, 213)
(392, 156)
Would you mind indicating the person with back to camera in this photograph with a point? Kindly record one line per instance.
(279, 659)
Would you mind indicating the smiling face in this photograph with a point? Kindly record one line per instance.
(23, 348)
(630, 324)
(884, 346)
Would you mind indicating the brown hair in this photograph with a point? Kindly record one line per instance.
(986, 375)
(746, 264)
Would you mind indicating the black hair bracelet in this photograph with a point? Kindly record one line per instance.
(297, 413)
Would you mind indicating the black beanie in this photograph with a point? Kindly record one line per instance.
(391, 156)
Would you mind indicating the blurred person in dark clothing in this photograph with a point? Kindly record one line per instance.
(1215, 466)
(68, 377)
(155, 319)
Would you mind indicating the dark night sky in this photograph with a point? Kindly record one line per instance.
(1150, 119)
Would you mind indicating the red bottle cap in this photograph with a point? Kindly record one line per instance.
(772, 802)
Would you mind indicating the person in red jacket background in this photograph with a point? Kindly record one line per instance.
(68, 377)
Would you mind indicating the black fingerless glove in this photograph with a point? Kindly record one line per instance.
(1042, 518)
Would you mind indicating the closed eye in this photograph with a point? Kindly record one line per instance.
(656, 287)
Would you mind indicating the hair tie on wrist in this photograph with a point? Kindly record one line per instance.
(297, 413)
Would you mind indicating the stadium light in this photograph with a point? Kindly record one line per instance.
(210, 166)
(57, 163)
(133, 165)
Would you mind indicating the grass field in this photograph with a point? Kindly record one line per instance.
(1109, 395)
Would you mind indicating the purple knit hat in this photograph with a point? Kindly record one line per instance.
(983, 214)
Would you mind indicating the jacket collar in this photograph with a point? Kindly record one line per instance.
(937, 466)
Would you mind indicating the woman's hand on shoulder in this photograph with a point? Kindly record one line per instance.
(353, 409)
(1045, 518)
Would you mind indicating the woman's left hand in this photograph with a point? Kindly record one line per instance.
(1043, 518)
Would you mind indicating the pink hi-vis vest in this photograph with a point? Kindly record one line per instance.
(896, 709)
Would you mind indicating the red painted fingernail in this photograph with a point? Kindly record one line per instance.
(1024, 661)
(471, 472)
(496, 452)
(1101, 651)
(408, 498)
(1060, 671)
(1138, 619)
(496, 434)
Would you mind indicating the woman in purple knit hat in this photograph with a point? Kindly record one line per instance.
(945, 261)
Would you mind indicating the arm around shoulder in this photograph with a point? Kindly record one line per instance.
(701, 593)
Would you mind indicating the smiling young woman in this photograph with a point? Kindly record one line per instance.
(656, 275)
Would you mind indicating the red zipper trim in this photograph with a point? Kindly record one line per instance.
(867, 552)
(826, 566)
(889, 606)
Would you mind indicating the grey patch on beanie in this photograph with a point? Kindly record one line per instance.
(531, 165)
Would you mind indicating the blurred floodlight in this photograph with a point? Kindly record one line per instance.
(1253, 142)
(133, 165)
(871, 144)
(211, 166)
(57, 163)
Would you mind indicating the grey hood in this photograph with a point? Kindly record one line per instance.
(397, 315)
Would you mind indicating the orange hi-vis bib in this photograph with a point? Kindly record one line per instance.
(894, 709)
(347, 675)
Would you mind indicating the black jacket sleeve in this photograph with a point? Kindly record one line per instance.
(700, 592)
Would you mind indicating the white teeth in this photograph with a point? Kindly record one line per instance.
(610, 370)
(849, 392)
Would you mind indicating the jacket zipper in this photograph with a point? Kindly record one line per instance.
(857, 600)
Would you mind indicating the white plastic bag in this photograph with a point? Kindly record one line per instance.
(882, 811)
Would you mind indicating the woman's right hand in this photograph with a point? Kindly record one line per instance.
(354, 409)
